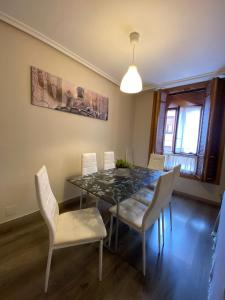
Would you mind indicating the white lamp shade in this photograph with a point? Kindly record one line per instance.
(131, 82)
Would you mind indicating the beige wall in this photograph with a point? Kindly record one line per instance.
(32, 136)
(142, 125)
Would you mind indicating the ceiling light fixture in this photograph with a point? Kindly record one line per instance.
(131, 82)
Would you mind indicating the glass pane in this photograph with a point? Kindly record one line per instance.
(169, 130)
(188, 130)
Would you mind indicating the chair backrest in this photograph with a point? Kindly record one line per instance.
(46, 201)
(161, 198)
(109, 160)
(176, 170)
(156, 161)
(89, 163)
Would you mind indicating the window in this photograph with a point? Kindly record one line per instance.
(181, 135)
(188, 125)
(170, 129)
(188, 130)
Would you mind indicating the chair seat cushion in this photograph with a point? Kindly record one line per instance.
(144, 196)
(131, 212)
(79, 226)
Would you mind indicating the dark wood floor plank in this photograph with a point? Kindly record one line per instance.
(180, 272)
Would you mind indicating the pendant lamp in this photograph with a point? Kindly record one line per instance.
(131, 82)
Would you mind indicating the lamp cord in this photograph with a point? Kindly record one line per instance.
(133, 54)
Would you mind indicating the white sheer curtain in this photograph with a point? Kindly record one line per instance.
(188, 163)
(188, 129)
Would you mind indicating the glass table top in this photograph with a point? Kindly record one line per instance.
(116, 185)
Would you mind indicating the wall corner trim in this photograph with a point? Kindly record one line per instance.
(38, 35)
(148, 87)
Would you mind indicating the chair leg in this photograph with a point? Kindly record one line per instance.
(81, 199)
(117, 227)
(159, 243)
(171, 216)
(96, 204)
(48, 267)
(87, 199)
(143, 254)
(163, 227)
(110, 230)
(100, 259)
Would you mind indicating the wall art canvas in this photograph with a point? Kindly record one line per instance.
(53, 92)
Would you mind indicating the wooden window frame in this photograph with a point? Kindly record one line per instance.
(175, 131)
(212, 135)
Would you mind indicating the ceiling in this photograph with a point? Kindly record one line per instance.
(180, 39)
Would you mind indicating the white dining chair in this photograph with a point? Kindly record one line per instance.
(89, 163)
(176, 171)
(67, 229)
(145, 196)
(139, 216)
(156, 162)
(88, 166)
(109, 160)
(177, 174)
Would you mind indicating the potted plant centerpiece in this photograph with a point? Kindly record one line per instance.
(123, 167)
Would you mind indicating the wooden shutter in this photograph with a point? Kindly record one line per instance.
(154, 121)
(216, 133)
(212, 135)
(203, 133)
(158, 122)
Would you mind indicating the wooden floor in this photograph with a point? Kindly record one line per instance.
(180, 273)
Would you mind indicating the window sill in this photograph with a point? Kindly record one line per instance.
(189, 176)
(181, 154)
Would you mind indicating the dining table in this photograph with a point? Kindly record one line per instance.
(116, 185)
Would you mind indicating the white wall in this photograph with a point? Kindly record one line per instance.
(141, 137)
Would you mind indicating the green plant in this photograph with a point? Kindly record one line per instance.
(121, 163)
